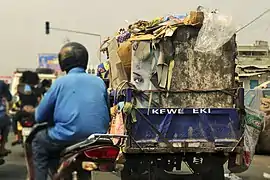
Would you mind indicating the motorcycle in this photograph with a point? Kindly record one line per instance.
(96, 153)
(25, 125)
(27, 122)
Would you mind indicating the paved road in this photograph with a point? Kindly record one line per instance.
(260, 165)
(14, 168)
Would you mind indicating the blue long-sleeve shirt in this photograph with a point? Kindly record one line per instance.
(78, 105)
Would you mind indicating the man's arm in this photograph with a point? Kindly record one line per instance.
(44, 111)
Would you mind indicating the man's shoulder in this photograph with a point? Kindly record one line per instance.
(95, 78)
(85, 77)
(59, 81)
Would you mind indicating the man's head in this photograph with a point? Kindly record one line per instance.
(46, 83)
(73, 55)
(29, 77)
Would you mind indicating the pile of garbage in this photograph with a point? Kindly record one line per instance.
(146, 52)
(142, 30)
(159, 27)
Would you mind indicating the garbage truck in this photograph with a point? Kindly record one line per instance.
(174, 94)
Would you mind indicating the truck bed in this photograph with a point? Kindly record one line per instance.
(192, 70)
(174, 75)
(186, 129)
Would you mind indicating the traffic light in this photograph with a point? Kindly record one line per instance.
(47, 27)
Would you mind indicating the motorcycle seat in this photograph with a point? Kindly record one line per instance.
(85, 143)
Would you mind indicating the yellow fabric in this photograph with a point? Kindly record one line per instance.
(125, 52)
(129, 109)
(19, 126)
(106, 67)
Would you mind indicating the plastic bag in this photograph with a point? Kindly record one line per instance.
(252, 129)
(117, 123)
(217, 30)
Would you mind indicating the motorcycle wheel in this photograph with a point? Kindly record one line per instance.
(2, 161)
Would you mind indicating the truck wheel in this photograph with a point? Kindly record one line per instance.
(128, 174)
(258, 150)
(216, 173)
(125, 174)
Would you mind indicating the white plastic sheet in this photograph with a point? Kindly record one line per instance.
(217, 29)
(252, 129)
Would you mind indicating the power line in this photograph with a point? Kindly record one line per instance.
(73, 31)
(261, 15)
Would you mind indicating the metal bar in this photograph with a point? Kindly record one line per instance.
(81, 32)
(156, 131)
(133, 139)
(189, 90)
(73, 31)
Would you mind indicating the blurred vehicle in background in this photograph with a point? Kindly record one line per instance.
(24, 126)
(43, 73)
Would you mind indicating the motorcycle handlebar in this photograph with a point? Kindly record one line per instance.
(40, 126)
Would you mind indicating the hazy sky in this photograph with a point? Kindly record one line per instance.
(22, 23)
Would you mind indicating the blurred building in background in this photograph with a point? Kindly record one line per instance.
(253, 64)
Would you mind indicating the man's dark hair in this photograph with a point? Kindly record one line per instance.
(46, 83)
(29, 77)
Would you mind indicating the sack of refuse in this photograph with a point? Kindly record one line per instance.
(253, 123)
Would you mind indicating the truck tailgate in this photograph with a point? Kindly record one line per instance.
(186, 129)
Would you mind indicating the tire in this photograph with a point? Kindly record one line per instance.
(125, 174)
(263, 146)
(2, 161)
(155, 174)
(258, 150)
(216, 173)
(84, 175)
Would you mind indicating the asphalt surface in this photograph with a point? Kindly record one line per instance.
(14, 168)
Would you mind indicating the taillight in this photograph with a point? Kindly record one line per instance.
(105, 152)
(28, 123)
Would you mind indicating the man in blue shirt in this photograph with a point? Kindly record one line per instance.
(5, 97)
(76, 106)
